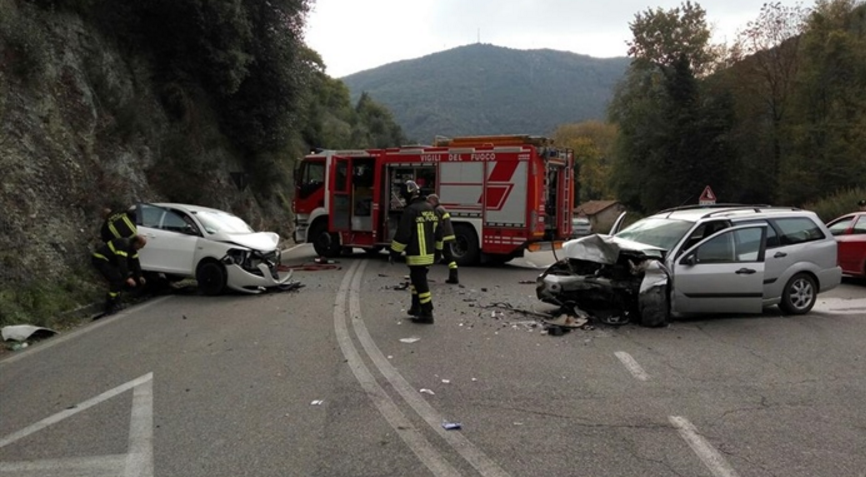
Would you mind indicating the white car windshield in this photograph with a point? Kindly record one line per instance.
(214, 222)
(658, 232)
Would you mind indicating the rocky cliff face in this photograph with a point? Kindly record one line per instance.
(83, 126)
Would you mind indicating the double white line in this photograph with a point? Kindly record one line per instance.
(348, 299)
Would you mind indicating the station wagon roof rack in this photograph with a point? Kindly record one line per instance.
(710, 206)
(754, 208)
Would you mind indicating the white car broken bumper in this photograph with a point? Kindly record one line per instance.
(243, 281)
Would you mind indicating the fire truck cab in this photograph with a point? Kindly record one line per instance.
(505, 194)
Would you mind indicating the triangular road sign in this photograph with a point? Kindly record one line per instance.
(707, 196)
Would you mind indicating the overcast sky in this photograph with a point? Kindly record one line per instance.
(355, 35)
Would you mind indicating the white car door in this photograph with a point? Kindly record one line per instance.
(171, 241)
(722, 274)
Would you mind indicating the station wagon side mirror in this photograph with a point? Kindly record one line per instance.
(690, 260)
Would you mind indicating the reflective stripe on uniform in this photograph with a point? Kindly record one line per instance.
(413, 290)
(424, 298)
(452, 265)
(113, 294)
(417, 260)
(397, 246)
(99, 255)
(446, 215)
(113, 230)
(449, 238)
(129, 224)
(136, 255)
(440, 246)
(117, 252)
(422, 239)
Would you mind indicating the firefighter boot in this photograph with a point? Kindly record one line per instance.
(426, 315)
(415, 309)
(452, 276)
(111, 305)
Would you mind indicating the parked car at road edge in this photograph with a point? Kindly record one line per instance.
(216, 248)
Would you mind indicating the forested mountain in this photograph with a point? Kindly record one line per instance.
(486, 89)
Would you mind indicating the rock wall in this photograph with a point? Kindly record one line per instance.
(83, 125)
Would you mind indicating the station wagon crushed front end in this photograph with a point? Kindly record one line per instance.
(609, 278)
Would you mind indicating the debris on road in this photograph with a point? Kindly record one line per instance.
(452, 426)
(317, 402)
(426, 391)
(410, 340)
(446, 381)
(309, 267)
(402, 286)
(25, 332)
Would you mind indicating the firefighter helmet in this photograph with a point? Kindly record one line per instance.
(409, 190)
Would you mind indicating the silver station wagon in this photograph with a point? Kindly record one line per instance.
(697, 259)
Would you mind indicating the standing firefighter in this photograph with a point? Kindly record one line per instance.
(448, 237)
(417, 235)
(117, 225)
(117, 261)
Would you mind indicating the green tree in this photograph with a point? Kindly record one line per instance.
(593, 145)
(829, 124)
(767, 80)
(673, 134)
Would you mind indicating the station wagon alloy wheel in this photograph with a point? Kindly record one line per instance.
(800, 295)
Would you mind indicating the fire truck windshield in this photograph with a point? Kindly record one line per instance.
(310, 177)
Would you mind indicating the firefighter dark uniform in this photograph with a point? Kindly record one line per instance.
(417, 235)
(118, 225)
(448, 238)
(116, 260)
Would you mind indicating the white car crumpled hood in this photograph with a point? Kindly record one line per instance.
(605, 248)
(261, 241)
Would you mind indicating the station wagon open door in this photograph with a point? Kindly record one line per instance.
(723, 273)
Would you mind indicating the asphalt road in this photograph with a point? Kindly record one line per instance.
(331, 380)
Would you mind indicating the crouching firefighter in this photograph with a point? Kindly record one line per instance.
(117, 261)
(417, 235)
(448, 238)
(117, 225)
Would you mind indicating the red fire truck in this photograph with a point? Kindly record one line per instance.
(505, 194)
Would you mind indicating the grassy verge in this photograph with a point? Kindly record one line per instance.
(48, 303)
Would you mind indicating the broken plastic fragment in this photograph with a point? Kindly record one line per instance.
(446, 381)
(317, 402)
(452, 426)
(426, 391)
(410, 340)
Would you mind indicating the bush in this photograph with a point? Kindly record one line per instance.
(840, 203)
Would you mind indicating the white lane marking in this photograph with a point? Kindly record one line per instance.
(139, 461)
(705, 451)
(102, 466)
(632, 365)
(90, 327)
(70, 412)
(473, 455)
(386, 406)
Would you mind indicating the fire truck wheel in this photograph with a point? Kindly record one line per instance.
(465, 246)
(324, 243)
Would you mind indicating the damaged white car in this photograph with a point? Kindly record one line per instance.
(216, 248)
(697, 259)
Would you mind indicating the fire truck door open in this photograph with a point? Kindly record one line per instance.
(339, 215)
(352, 183)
